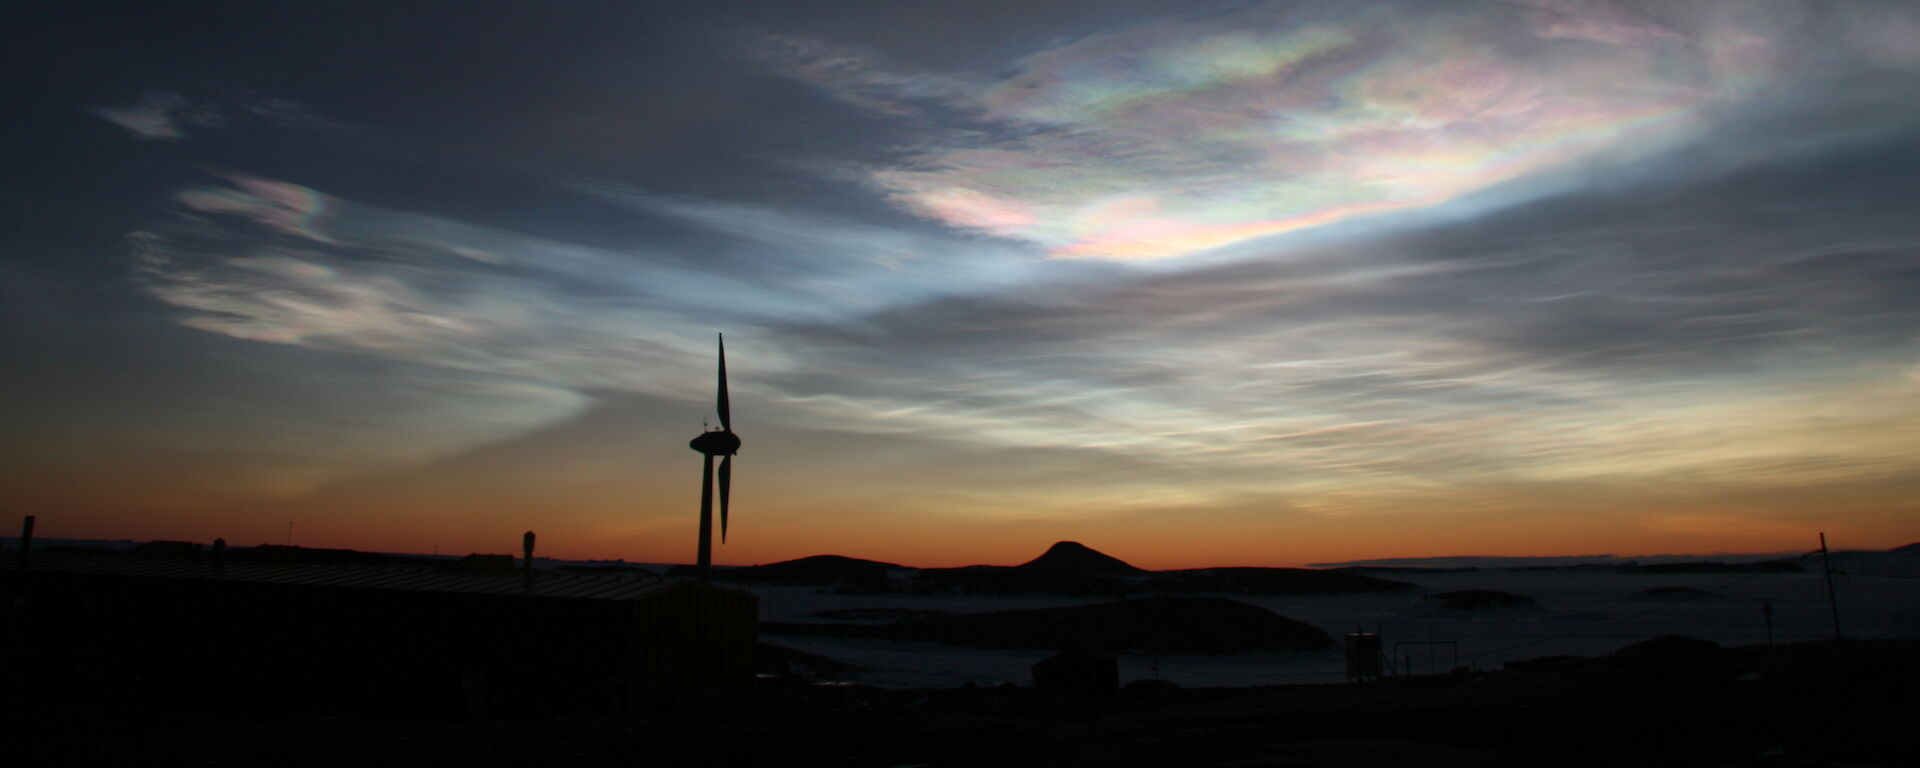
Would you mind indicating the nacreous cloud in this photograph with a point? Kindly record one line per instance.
(1640, 340)
(1171, 138)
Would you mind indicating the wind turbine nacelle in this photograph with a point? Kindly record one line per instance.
(717, 443)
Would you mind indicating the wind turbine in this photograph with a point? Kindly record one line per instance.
(724, 443)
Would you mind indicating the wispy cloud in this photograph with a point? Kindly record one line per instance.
(286, 264)
(270, 260)
(864, 77)
(293, 114)
(161, 115)
(166, 115)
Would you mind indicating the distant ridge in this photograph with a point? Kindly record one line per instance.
(1072, 557)
(822, 564)
(817, 570)
(1458, 562)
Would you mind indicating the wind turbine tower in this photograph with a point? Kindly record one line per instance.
(724, 443)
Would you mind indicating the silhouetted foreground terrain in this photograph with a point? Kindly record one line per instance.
(1066, 568)
(1664, 702)
(167, 654)
(1152, 625)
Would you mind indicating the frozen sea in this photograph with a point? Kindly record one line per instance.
(1580, 612)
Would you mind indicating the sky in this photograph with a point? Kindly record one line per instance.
(1193, 283)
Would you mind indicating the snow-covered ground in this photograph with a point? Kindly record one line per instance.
(1584, 613)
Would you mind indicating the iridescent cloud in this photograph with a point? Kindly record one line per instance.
(165, 115)
(1170, 138)
(1591, 342)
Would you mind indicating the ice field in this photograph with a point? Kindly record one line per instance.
(1579, 612)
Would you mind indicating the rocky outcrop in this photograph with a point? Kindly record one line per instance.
(818, 570)
(1074, 558)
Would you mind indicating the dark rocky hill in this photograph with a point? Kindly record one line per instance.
(818, 570)
(1072, 557)
(1066, 568)
(1072, 568)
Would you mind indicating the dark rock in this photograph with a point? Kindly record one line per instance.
(1072, 557)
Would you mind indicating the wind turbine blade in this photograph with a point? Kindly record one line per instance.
(726, 486)
(725, 411)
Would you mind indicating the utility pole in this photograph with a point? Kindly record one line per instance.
(26, 543)
(1826, 564)
(526, 549)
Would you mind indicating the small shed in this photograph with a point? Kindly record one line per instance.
(229, 634)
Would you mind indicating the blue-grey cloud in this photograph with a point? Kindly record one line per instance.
(160, 115)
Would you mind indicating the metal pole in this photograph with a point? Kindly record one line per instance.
(704, 566)
(1826, 564)
(526, 549)
(26, 542)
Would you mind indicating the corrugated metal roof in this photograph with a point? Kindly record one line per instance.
(403, 577)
